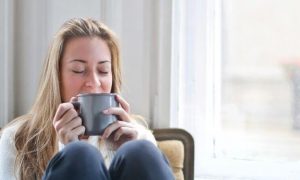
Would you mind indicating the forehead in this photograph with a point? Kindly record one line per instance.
(87, 48)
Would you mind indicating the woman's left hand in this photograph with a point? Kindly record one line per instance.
(124, 129)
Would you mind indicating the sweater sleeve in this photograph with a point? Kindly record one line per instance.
(144, 132)
(147, 134)
(7, 154)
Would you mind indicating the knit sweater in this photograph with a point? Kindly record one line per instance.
(8, 150)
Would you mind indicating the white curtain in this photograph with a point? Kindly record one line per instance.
(195, 74)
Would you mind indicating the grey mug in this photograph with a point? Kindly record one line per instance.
(90, 107)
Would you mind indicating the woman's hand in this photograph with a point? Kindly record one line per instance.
(124, 129)
(67, 123)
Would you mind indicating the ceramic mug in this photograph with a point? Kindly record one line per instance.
(90, 108)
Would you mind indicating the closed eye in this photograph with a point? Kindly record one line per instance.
(103, 72)
(77, 72)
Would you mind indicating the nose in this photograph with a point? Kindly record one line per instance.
(93, 82)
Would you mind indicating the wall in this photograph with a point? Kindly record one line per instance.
(6, 60)
(143, 28)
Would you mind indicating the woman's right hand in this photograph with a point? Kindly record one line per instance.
(67, 123)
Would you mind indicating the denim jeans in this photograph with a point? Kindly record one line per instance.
(134, 160)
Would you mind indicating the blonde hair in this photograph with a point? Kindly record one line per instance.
(36, 140)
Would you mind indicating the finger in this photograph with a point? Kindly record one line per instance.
(74, 123)
(69, 136)
(68, 116)
(124, 116)
(66, 132)
(61, 110)
(111, 128)
(124, 104)
(63, 135)
(79, 130)
(129, 132)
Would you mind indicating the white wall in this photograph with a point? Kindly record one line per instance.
(6, 61)
(29, 51)
(143, 28)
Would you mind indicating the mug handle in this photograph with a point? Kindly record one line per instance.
(77, 106)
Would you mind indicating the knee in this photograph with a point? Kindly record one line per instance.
(138, 148)
(79, 148)
(81, 151)
(78, 160)
(139, 157)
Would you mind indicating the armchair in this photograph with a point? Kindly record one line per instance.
(178, 146)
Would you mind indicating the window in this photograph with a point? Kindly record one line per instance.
(256, 119)
(236, 71)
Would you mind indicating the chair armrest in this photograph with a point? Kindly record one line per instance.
(188, 142)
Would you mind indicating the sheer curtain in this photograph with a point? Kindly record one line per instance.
(195, 74)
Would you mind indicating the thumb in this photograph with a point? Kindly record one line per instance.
(74, 99)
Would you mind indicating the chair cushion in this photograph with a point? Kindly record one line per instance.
(174, 151)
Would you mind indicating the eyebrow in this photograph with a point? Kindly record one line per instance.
(83, 61)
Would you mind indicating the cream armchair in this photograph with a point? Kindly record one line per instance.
(178, 146)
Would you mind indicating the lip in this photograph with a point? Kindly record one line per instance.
(96, 94)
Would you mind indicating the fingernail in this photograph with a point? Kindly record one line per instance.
(105, 111)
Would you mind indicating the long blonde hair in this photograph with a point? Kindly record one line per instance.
(36, 140)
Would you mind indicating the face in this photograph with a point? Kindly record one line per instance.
(85, 67)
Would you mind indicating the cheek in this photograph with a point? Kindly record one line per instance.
(107, 84)
(70, 87)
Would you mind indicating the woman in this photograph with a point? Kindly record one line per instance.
(48, 142)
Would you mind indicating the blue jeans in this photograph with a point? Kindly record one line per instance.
(134, 160)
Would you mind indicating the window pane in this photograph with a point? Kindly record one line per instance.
(260, 117)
